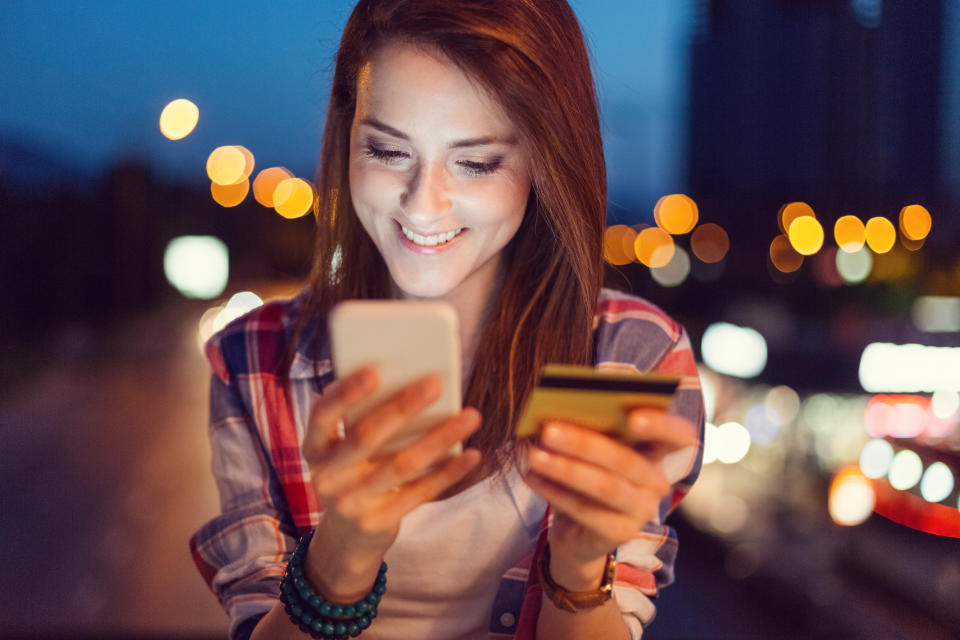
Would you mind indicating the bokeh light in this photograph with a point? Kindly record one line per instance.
(293, 198)
(937, 482)
(785, 402)
(850, 233)
(936, 314)
(735, 351)
(792, 211)
(806, 235)
(852, 497)
(266, 183)
(881, 235)
(654, 247)
(178, 119)
(676, 213)
(905, 470)
(239, 304)
(825, 267)
(783, 256)
(900, 416)
(674, 272)
(915, 222)
(763, 423)
(732, 442)
(909, 368)
(875, 458)
(198, 266)
(945, 404)
(709, 443)
(229, 195)
(228, 165)
(854, 267)
(618, 244)
(710, 243)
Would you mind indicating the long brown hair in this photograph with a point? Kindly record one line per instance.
(531, 56)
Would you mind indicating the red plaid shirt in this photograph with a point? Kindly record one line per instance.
(257, 422)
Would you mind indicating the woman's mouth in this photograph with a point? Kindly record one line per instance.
(429, 244)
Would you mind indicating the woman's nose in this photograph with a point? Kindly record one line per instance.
(427, 195)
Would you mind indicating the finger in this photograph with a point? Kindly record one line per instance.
(410, 462)
(612, 527)
(350, 461)
(596, 448)
(393, 505)
(328, 413)
(610, 489)
(661, 432)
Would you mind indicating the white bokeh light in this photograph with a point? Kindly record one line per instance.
(854, 267)
(852, 499)
(945, 404)
(198, 266)
(875, 458)
(733, 442)
(735, 351)
(674, 272)
(937, 482)
(909, 368)
(239, 304)
(905, 470)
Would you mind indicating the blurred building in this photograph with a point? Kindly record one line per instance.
(834, 102)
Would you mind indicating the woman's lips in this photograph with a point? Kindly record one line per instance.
(428, 250)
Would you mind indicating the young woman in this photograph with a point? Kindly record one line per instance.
(461, 161)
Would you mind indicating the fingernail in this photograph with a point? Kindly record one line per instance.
(639, 422)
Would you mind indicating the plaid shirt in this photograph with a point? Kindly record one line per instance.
(257, 422)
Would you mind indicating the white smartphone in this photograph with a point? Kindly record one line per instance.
(405, 341)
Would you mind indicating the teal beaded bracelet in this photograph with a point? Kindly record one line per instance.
(319, 618)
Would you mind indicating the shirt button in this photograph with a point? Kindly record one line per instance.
(508, 619)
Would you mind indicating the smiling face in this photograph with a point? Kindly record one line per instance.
(438, 177)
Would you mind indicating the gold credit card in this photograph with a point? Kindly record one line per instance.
(594, 399)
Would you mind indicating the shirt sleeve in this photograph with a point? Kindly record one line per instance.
(242, 552)
(646, 564)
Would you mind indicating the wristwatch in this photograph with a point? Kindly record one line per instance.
(574, 601)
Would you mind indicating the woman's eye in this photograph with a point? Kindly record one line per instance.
(480, 168)
(387, 156)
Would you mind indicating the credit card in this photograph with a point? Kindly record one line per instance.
(598, 400)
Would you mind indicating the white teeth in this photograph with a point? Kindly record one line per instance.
(429, 241)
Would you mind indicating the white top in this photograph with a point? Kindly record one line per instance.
(447, 561)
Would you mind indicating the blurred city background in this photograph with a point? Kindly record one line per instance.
(784, 178)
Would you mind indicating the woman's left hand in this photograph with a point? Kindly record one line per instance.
(602, 491)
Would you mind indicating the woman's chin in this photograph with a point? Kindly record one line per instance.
(423, 287)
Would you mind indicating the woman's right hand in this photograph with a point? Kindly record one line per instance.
(366, 492)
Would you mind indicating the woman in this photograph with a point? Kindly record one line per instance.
(461, 161)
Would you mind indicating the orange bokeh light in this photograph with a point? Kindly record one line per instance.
(915, 222)
(790, 212)
(783, 256)
(229, 195)
(805, 235)
(710, 243)
(654, 247)
(881, 235)
(266, 183)
(293, 198)
(849, 233)
(676, 213)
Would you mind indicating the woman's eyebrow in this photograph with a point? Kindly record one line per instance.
(468, 142)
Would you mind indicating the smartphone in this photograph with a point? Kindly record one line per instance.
(593, 398)
(405, 341)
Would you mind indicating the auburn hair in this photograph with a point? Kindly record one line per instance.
(531, 57)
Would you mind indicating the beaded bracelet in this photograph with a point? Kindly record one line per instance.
(319, 618)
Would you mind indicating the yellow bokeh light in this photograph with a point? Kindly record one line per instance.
(618, 244)
(881, 235)
(178, 119)
(790, 212)
(806, 235)
(915, 222)
(293, 198)
(849, 233)
(229, 195)
(247, 163)
(266, 183)
(226, 165)
(654, 247)
(676, 214)
(710, 243)
(783, 256)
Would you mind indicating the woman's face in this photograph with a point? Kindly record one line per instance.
(438, 176)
